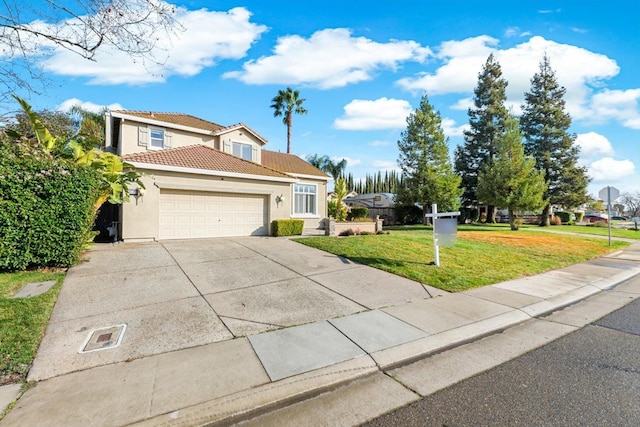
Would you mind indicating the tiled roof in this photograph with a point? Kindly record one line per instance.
(174, 118)
(289, 163)
(202, 157)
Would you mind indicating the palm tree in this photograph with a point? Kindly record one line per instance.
(335, 168)
(285, 103)
(325, 164)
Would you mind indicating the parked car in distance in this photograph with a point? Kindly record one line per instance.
(619, 218)
(595, 218)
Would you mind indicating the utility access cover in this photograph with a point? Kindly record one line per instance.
(104, 338)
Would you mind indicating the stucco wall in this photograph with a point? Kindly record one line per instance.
(130, 130)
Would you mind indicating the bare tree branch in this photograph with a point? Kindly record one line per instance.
(30, 31)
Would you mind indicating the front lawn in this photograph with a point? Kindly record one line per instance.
(627, 233)
(23, 321)
(481, 256)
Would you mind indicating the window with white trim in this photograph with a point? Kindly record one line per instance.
(242, 150)
(305, 199)
(156, 138)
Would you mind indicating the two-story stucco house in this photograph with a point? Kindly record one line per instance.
(206, 180)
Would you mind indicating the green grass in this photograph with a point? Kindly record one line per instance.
(481, 255)
(599, 231)
(23, 321)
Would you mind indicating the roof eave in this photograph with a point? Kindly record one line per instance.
(163, 124)
(209, 172)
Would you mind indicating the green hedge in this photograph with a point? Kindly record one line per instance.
(358, 212)
(46, 208)
(287, 227)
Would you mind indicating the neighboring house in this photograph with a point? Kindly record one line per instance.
(380, 205)
(206, 180)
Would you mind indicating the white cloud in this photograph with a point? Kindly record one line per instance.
(593, 145)
(385, 164)
(463, 104)
(382, 113)
(462, 62)
(450, 129)
(610, 169)
(620, 105)
(329, 58)
(350, 162)
(208, 37)
(577, 69)
(379, 143)
(66, 105)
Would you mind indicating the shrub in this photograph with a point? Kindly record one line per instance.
(555, 220)
(409, 214)
(579, 216)
(347, 232)
(287, 227)
(358, 212)
(366, 233)
(566, 217)
(339, 213)
(46, 208)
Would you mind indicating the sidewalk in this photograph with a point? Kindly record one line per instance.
(235, 378)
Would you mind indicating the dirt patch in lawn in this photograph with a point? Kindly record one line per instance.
(548, 243)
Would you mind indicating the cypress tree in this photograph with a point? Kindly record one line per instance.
(545, 125)
(487, 122)
(512, 181)
(424, 159)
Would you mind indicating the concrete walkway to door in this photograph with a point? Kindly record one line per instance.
(220, 330)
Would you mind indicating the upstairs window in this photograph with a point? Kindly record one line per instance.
(156, 138)
(304, 199)
(242, 150)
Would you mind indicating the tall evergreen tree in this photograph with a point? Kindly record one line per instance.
(424, 159)
(487, 122)
(512, 181)
(545, 125)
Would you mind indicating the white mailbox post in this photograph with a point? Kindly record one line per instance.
(445, 226)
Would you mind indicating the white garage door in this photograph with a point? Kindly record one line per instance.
(194, 214)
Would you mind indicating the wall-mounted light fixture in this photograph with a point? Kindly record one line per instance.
(280, 198)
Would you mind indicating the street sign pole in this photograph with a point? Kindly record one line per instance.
(436, 249)
(609, 211)
(609, 193)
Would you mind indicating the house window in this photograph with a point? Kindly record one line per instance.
(305, 199)
(156, 138)
(242, 150)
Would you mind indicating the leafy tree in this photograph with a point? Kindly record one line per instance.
(285, 104)
(91, 128)
(424, 159)
(116, 175)
(58, 123)
(487, 122)
(512, 180)
(545, 125)
(28, 30)
(631, 201)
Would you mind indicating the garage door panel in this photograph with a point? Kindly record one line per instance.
(189, 214)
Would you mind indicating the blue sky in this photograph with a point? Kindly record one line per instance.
(364, 65)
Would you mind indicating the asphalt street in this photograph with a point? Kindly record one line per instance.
(588, 378)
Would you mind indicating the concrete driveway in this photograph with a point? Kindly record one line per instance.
(173, 295)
